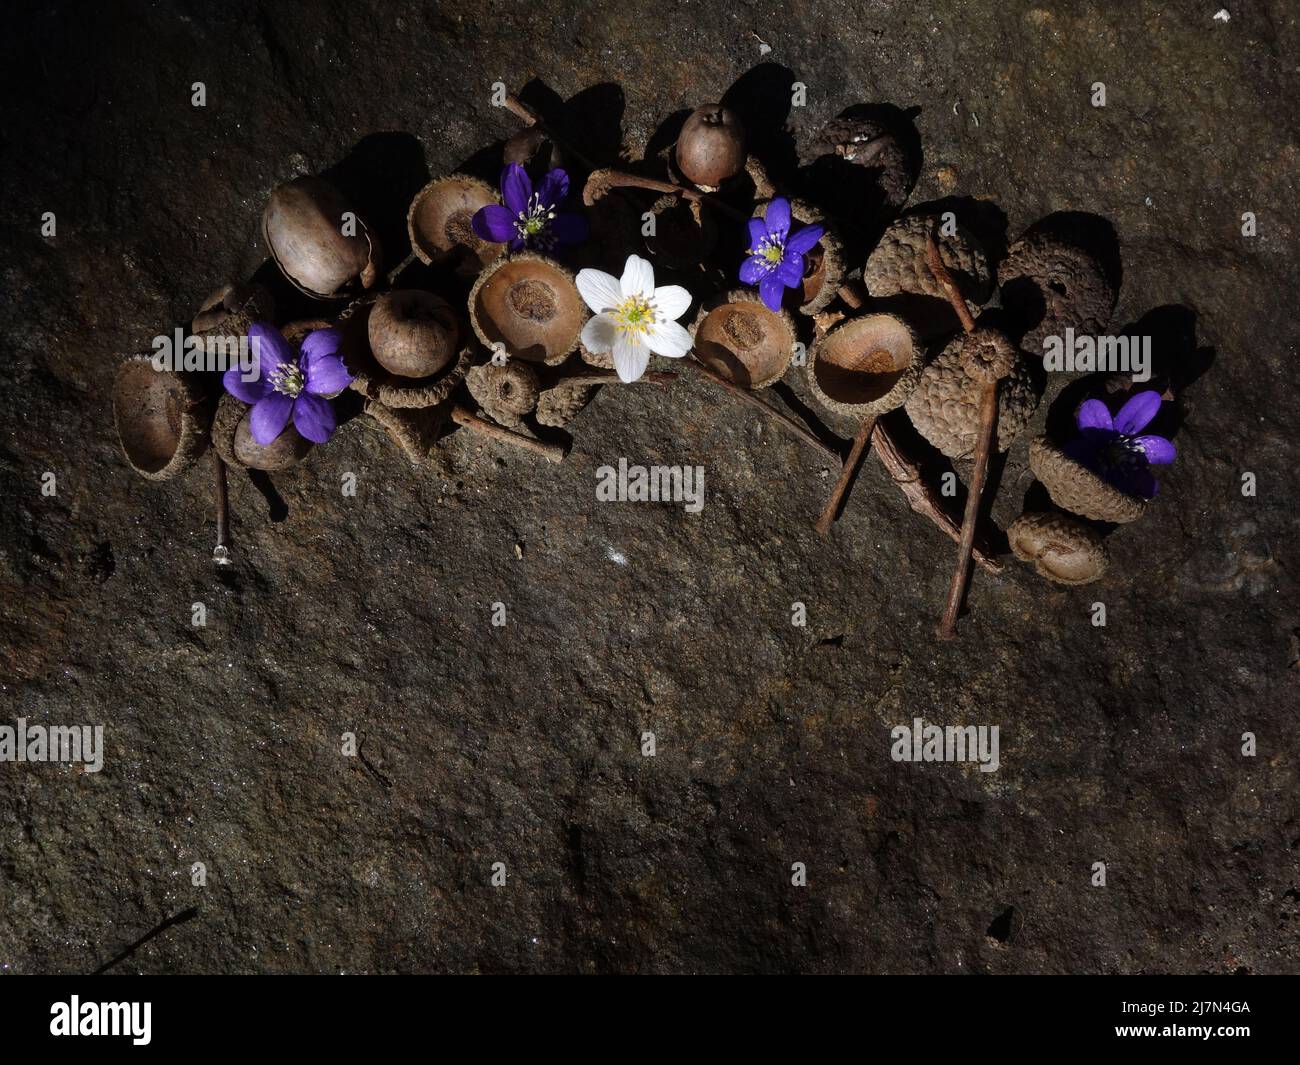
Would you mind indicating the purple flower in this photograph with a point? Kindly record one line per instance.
(1114, 448)
(530, 219)
(290, 383)
(775, 260)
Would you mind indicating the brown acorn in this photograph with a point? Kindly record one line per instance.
(162, 418)
(1062, 549)
(741, 339)
(413, 333)
(711, 146)
(303, 226)
(530, 305)
(440, 219)
(234, 441)
(376, 382)
(866, 366)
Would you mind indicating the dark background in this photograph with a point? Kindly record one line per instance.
(1119, 744)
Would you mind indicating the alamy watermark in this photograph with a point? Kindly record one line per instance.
(206, 354)
(53, 743)
(1098, 354)
(920, 742)
(651, 484)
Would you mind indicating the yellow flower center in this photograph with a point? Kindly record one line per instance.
(634, 315)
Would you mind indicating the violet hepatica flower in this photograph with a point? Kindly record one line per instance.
(290, 383)
(632, 317)
(775, 261)
(1116, 449)
(531, 217)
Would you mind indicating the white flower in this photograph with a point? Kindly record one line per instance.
(633, 318)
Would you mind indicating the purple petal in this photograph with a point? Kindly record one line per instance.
(771, 290)
(516, 188)
(804, 239)
(757, 231)
(569, 227)
(1093, 414)
(269, 417)
(493, 223)
(1135, 480)
(1157, 449)
(248, 391)
(326, 375)
(313, 417)
(269, 347)
(790, 271)
(554, 187)
(753, 270)
(318, 343)
(778, 216)
(1137, 413)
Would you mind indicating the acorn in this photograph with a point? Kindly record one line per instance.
(162, 418)
(394, 334)
(506, 393)
(1076, 488)
(711, 146)
(413, 333)
(945, 406)
(234, 441)
(1053, 285)
(530, 305)
(739, 337)
(1062, 549)
(866, 366)
(303, 226)
(440, 219)
(231, 309)
(823, 264)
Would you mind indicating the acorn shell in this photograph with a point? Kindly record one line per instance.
(530, 304)
(824, 263)
(1062, 549)
(866, 366)
(945, 406)
(1054, 286)
(506, 393)
(898, 268)
(303, 229)
(439, 220)
(162, 418)
(1076, 488)
(711, 146)
(375, 382)
(413, 333)
(739, 337)
(235, 444)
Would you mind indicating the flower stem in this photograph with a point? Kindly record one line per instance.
(221, 553)
(602, 181)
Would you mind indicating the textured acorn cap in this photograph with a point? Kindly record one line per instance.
(866, 366)
(530, 304)
(1076, 488)
(375, 382)
(740, 338)
(559, 405)
(439, 219)
(824, 264)
(945, 406)
(303, 229)
(413, 333)
(869, 143)
(231, 309)
(506, 393)
(235, 444)
(162, 418)
(1062, 549)
(1067, 283)
(414, 430)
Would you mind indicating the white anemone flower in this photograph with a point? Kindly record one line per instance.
(633, 318)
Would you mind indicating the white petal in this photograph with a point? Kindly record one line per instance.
(671, 302)
(638, 278)
(669, 338)
(599, 334)
(599, 290)
(630, 358)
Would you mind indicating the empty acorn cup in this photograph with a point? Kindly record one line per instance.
(162, 418)
(317, 240)
(531, 306)
(742, 340)
(234, 441)
(866, 366)
(440, 219)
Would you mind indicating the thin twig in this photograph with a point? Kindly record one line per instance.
(966, 544)
(603, 180)
(846, 475)
(221, 553)
(609, 377)
(466, 417)
(935, 261)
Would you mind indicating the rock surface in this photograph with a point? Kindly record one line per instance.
(522, 744)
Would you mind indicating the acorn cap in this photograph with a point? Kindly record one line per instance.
(1062, 549)
(739, 337)
(162, 418)
(414, 430)
(439, 220)
(824, 265)
(530, 304)
(869, 143)
(898, 267)
(413, 333)
(377, 383)
(303, 228)
(945, 407)
(559, 405)
(235, 444)
(506, 393)
(231, 309)
(1065, 284)
(1074, 487)
(866, 366)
